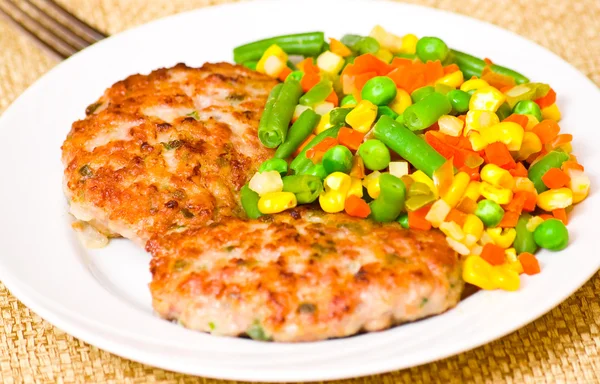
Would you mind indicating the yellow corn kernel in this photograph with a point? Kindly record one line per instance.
(454, 79)
(475, 120)
(531, 144)
(478, 143)
(384, 55)
(438, 212)
(332, 201)
(507, 132)
(472, 84)
(533, 223)
(275, 202)
(398, 168)
(401, 101)
(552, 112)
(555, 199)
(421, 177)
(486, 99)
(502, 237)
(512, 261)
(336, 185)
(371, 182)
(324, 124)
(478, 272)
(579, 184)
(532, 121)
(505, 278)
(451, 125)
(452, 230)
(496, 176)
(473, 226)
(330, 62)
(337, 181)
(409, 43)
(273, 66)
(476, 250)
(499, 195)
(386, 39)
(273, 51)
(361, 118)
(458, 246)
(510, 254)
(486, 239)
(266, 182)
(524, 184)
(358, 168)
(356, 187)
(457, 189)
(472, 191)
(323, 108)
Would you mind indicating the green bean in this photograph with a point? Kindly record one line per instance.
(338, 115)
(424, 113)
(301, 162)
(473, 66)
(317, 170)
(504, 111)
(524, 241)
(304, 44)
(278, 165)
(250, 202)
(317, 94)
(274, 132)
(250, 64)
(553, 159)
(420, 93)
(299, 131)
(408, 145)
(390, 202)
(306, 188)
(361, 44)
(266, 115)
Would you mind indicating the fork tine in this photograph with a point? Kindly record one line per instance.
(64, 30)
(47, 40)
(85, 28)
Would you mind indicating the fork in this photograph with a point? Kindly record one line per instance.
(54, 28)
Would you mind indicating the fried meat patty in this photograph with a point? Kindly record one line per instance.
(165, 151)
(301, 275)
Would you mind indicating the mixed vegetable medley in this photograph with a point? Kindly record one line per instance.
(393, 128)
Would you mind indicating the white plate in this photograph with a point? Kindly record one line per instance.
(101, 296)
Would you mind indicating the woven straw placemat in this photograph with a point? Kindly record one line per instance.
(561, 347)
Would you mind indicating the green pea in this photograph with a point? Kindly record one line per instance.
(489, 212)
(279, 165)
(528, 107)
(337, 159)
(420, 93)
(379, 90)
(432, 49)
(315, 170)
(348, 99)
(403, 220)
(385, 110)
(459, 100)
(551, 234)
(375, 154)
(367, 45)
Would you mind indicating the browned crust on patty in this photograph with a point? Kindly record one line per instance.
(302, 275)
(167, 150)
